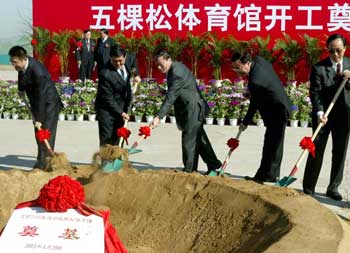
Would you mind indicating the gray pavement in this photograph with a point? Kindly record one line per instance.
(79, 140)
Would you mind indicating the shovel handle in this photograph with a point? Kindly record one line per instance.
(320, 125)
(228, 156)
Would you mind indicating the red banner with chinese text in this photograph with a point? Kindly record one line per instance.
(242, 19)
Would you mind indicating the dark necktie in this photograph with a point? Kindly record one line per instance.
(87, 45)
(122, 73)
(338, 69)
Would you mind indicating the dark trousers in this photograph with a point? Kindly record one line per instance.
(49, 123)
(85, 70)
(340, 138)
(272, 153)
(195, 143)
(107, 128)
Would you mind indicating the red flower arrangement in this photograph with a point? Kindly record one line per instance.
(60, 194)
(232, 143)
(124, 133)
(145, 131)
(34, 42)
(307, 143)
(43, 134)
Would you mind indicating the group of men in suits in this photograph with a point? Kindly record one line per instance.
(269, 98)
(117, 69)
(91, 54)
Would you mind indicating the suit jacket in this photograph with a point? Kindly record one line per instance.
(102, 52)
(184, 95)
(114, 93)
(85, 54)
(43, 96)
(323, 86)
(267, 94)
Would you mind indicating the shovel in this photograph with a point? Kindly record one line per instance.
(224, 164)
(117, 164)
(285, 181)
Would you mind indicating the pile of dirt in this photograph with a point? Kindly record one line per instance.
(171, 211)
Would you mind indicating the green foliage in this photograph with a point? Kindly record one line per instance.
(313, 49)
(151, 43)
(131, 44)
(62, 47)
(216, 46)
(291, 53)
(260, 46)
(196, 44)
(43, 38)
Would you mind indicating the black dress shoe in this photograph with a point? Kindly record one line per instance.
(334, 195)
(256, 180)
(309, 192)
(271, 179)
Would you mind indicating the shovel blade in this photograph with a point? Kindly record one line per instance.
(134, 151)
(284, 182)
(112, 166)
(213, 173)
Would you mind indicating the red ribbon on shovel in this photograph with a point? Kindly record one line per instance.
(43, 134)
(124, 133)
(144, 132)
(307, 143)
(232, 143)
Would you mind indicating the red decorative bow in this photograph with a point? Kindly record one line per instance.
(307, 143)
(145, 130)
(232, 143)
(124, 133)
(43, 134)
(34, 42)
(62, 193)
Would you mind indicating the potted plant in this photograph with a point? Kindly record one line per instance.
(313, 49)
(290, 53)
(62, 47)
(149, 43)
(40, 40)
(216, 46)
(195, 45)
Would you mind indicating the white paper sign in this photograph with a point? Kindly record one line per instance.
(34, 230)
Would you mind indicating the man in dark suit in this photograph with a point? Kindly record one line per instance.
(325, 79)
(35, 81)
(269, 98)
(114, 94)
(85, 56)
(190, 111)
(103, 49)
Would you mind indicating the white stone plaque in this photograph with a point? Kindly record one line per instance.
(34, 230)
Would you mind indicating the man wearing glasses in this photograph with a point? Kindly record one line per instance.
(325, 79)
(269, 98)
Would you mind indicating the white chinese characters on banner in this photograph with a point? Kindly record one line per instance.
(31, 229)
(161, 17)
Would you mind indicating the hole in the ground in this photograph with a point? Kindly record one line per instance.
(174, 212)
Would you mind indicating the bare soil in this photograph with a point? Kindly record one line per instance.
(171, 211)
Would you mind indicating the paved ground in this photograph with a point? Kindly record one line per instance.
(79, 140)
